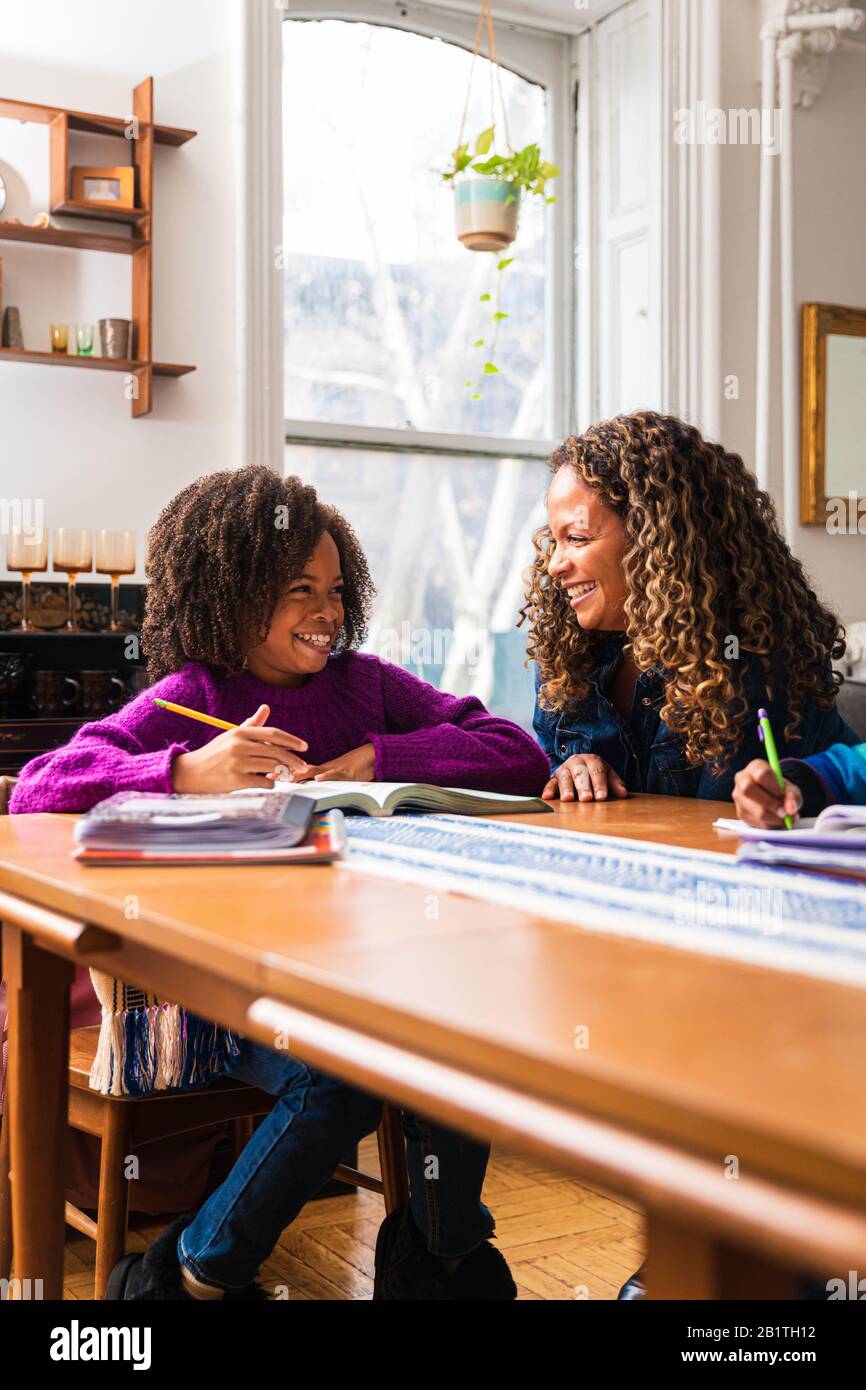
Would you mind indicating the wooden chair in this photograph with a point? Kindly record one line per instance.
(852, 704)
(125, 1124)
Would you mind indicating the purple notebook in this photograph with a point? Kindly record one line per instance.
(837, 827)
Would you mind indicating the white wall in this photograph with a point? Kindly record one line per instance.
(68, 436)
(830, 259)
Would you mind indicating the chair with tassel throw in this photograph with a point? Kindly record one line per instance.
(119, 1075)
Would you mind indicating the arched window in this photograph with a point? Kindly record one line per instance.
(382, 303)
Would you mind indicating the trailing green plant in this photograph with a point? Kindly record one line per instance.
(528, 173)
(489, 367)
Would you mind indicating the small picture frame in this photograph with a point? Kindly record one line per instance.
(834, 414)
(114, 187)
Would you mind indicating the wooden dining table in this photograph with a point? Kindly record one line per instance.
(724, 1098)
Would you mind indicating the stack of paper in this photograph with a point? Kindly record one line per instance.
(834, 842)
(132, 827)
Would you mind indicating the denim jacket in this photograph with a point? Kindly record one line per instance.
(647, 755)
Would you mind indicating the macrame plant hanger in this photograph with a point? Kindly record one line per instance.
(495, 75)
(494, 227)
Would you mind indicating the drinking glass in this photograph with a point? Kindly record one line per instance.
(84, 339)
(27, 552)
(60, 337)
(115, 555)
(72, 551)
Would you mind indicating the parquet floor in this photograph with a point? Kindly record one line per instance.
(562, 1239)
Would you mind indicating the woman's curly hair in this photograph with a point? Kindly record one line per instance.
(221, 557)
(705, 561)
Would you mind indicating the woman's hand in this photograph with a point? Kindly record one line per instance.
(249, 756)
(359, 765)
(585, 777)
(759, 799)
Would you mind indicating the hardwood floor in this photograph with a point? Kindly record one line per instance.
(562, 1239)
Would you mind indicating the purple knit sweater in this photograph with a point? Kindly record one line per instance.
(419, 734)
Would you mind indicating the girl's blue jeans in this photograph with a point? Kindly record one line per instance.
(316, 1121)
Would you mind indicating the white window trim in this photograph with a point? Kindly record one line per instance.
(414, 441)
(687, 270)
(692, 307)
(259, 225)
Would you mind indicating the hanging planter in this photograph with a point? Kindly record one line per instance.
(487, 212)
(489, 188)
(488, 205)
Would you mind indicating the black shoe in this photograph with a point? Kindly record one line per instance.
(405, 1269)
(155, 1275)
(633, 1288)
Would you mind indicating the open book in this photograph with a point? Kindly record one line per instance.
(837, 827)
(384, 798)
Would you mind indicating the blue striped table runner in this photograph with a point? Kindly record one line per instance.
(691, 899)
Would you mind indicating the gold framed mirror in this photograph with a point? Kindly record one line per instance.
(834, 415)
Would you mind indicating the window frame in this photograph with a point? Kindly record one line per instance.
(542, 57)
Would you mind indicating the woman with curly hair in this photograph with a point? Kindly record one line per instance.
(259, 595)
(665, 609)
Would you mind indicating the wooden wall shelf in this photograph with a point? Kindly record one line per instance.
(99, 364)
(101, 212)
(78, 241)
(86, 123)
(138, 246)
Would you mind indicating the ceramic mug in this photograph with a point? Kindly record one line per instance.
(101, 692)
(50, 693)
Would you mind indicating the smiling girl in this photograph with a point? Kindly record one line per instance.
(258, 596)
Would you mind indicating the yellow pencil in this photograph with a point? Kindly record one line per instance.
(194, 714)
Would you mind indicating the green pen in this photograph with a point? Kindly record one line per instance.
(765, 734)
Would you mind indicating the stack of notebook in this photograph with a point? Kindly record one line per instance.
(137, 828)
(834, 842)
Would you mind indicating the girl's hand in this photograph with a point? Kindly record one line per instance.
(247, 756)
(585, 777)
(759, 799)
(359, 765)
